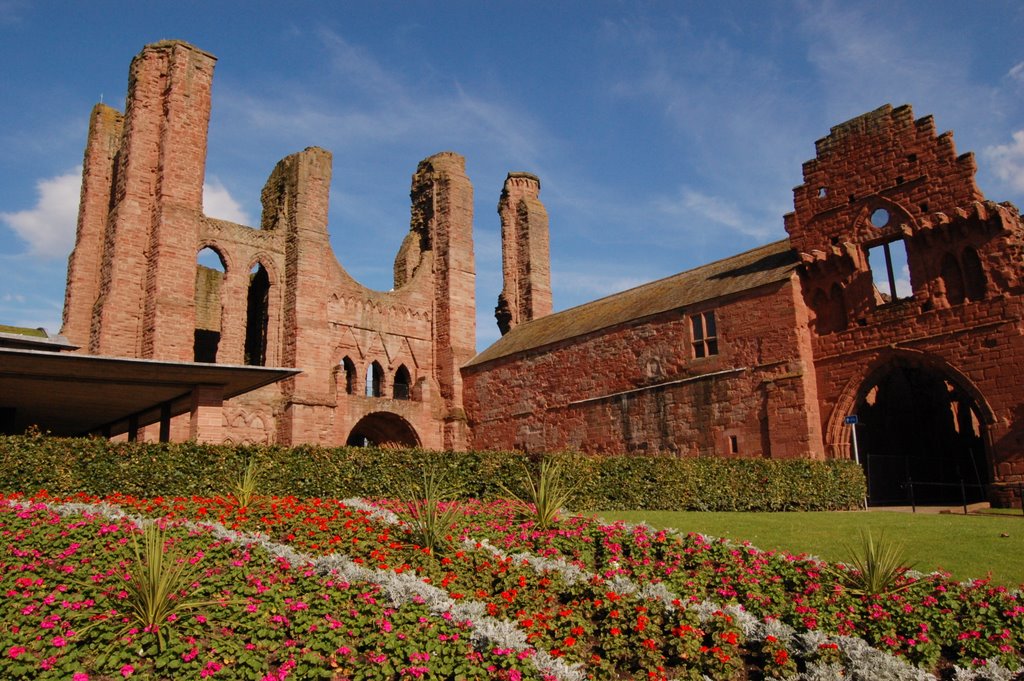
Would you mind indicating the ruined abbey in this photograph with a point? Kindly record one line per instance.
(771, 353)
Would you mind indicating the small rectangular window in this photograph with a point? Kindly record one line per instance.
(705, 335)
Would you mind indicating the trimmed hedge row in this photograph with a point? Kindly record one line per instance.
(96, 466)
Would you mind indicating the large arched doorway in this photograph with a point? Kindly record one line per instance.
(382, 428)
(921, 436)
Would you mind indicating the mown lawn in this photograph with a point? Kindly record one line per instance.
(966, 546)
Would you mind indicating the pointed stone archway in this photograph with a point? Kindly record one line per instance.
(922, 434)
(383, 428)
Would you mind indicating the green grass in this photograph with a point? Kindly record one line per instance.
(966, 546)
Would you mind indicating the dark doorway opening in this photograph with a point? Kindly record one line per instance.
(383, 428)
(921, 438)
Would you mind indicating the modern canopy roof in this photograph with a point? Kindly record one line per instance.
(767, 264)
(69, 394)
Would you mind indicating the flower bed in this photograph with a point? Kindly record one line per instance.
(610, 601)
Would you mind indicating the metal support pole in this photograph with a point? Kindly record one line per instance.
(856, 457)
(165, 422)
(910, 486)
(963, 495)
(133, 428)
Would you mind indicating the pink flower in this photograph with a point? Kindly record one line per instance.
(80, 676)
(210, 669)
(59, 641)
(127, 670)
(15, 651)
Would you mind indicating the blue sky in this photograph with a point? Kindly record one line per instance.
(665, 134)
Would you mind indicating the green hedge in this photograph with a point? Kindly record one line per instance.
(95, 466)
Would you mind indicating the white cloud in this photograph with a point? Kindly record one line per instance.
(1008, 161)
(49, 227)
(584, 285)
(693, 203)
(363, 102)
(11, 11)
(1017, 72)
(218, 203)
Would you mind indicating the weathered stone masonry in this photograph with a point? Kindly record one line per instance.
(764, 354)
(808, 332)
(135, 289)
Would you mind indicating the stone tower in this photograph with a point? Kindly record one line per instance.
(142, 195)
(525, 253)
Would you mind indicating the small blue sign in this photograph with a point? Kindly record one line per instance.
(850, 420)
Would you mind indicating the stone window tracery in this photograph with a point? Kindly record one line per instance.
(210, 273)
(350, 375)
(257, 316)
(401, 388)
(375, 380)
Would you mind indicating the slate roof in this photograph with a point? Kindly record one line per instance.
(763, 265)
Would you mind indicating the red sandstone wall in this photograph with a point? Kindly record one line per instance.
(131, 278)
(970, 334)
(83, 282)
(636, 388)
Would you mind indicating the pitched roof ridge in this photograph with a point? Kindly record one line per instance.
(645, 300)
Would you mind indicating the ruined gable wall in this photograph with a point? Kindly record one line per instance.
(970, 331)
(637, 388)
(427, 324)
(132, 276)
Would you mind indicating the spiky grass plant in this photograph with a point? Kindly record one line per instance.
(158, 578)
(546, 494)
(877, 566)
(245, 485)
(430, 512)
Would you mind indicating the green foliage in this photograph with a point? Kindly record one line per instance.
(430, 512)
(158, 579)
(547, 494)
(244, 486)
(878, 568)
(96, 466)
